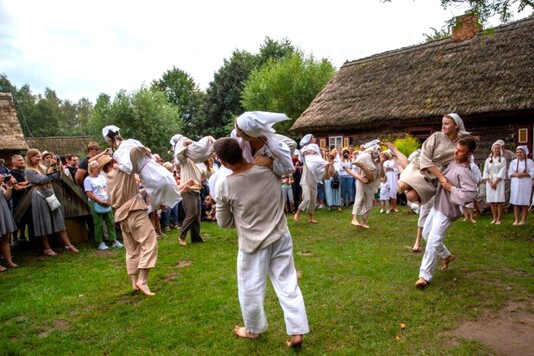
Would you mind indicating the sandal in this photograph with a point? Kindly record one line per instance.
(72, 249)
(50, 252)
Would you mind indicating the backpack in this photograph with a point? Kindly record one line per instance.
(334, 183)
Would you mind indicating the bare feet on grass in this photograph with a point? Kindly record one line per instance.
(421, 283)
(143, 287)
(446, 262)
(133, 278)
(295, 341)
(416, 247)
(296, 216)
(355, 223)
(242, 332)
(182, 241)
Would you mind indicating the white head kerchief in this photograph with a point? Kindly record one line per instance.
(305, 140)
(258, 123)
(498, 142)
(175, 139)
(107, 129)
(460, 123)
(524, 149)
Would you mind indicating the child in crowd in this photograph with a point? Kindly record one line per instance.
(384, 195)
(209, 208)
(459, 188)
(469, 209)
(287, 183)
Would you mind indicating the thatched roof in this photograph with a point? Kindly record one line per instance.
(11, 137)
(60, 145)
(490, 73)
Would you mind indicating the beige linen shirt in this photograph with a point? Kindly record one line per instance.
(253, 202)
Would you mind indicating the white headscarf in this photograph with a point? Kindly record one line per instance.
(524, 149)
(258, 123)
(498, 142)
(460, 123)
(107, 129)
(305, 140)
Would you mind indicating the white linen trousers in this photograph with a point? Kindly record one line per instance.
(276, 260)
(434, 232)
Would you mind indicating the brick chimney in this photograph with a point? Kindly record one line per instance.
(466, 27)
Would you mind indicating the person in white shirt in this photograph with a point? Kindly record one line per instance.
(265, 245)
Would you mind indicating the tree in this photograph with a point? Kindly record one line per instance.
(182, 91)
(223, 96)
(484, 9)
(286, 86)
(145, 115)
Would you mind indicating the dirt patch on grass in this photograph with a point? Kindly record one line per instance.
(59, 324)
(184, 263)
(507, 332)
(306, 253)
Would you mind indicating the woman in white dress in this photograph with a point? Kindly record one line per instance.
(392, 174)
(494, 176)
(521, 172)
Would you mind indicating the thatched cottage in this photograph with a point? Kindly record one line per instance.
(61, 145)
(11, 137)
(486, 77)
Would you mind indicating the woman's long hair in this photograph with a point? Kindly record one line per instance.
(492, 155)
(32, 152)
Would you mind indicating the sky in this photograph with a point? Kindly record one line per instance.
(84, 48)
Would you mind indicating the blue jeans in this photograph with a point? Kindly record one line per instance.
(347, 189)
(166, 217)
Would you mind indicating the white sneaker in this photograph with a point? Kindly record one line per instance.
(387, 212)
(381, 211)
(103, 246)
(117, 244)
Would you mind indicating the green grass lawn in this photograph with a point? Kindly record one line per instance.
(358, 286)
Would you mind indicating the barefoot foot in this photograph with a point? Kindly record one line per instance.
(313, 221)
(421, 283)
(446, 262)
(12, 265)
(295, 341)
(144, 288)
(355, 223)
(242, 332)
(182, 241)
(416, 248)
(296, 217)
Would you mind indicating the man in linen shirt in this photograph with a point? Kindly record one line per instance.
(265, 245)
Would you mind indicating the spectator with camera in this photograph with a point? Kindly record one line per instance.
(46, 212)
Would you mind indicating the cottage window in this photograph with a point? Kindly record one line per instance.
(334, 141)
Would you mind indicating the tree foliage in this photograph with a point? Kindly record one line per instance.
(145, 115)
(224, 94)
(286, 86)
(182, 91)
(47, 115)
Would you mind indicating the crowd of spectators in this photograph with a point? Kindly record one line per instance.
(362, 177)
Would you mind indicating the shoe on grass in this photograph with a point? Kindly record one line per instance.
(103, 246)
(117, 244)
